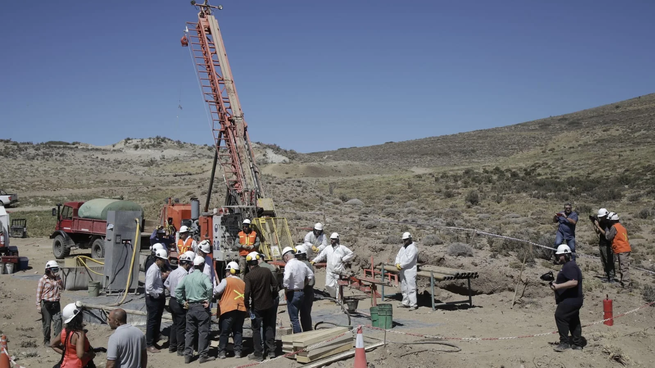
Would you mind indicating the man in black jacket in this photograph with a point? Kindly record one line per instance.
(261, 289)
(568, 297)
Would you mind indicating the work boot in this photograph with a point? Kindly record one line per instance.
(205, 359)
(180, 353)
(271, 355)
(414, 307)
(255, 357)
(561, 347)
(187, 359)
(576, 347)
(152, 349)
(221, 355)
(238, 354)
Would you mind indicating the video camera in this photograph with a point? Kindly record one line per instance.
(548, 276)
(593, 218)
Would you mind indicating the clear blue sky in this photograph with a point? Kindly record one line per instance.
(318, 75)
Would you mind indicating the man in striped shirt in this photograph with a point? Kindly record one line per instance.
(48, 293)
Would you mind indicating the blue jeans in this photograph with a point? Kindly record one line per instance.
(559, 239)
(295, 301)
(306, 309)
(231, 322)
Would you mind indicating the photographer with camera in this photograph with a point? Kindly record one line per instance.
(568, 297)
(566, 227)
(601, 225)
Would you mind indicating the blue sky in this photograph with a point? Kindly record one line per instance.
(318, 75)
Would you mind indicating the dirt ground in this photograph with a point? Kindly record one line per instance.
(628, 343)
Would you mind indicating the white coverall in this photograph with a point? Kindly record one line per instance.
(407, 258)
(319, 242)
(336, 256)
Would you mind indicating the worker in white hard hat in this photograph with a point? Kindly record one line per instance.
(196, 291)
(337, 256)
(152, 257)
(155, 299)
(248, 242)
(316, 239)
(601, 226)
(568, 297)
(617, 234)
(186, 241)
(306, 309)
(296, 276)
(406, 260)
(259, 296)
(204, 250)
(48, 294)
(74, 336)
(230, 292)
(178, 328)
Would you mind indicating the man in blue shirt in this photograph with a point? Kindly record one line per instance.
(569, 300)
(566, 228)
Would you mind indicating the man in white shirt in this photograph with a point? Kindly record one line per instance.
(296, 276)
(406, 264)
(315, 240)
(127, 345)
(155, 299)
(337, 255)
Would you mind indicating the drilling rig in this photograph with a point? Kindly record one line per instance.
(245, 196)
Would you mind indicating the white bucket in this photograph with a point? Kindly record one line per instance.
(10, 268)
(2, 268)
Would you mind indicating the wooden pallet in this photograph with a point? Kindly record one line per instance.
(303, 341)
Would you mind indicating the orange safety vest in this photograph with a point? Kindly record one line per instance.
(248, 240)
(232, 298)
(184, 245)
(620, 242)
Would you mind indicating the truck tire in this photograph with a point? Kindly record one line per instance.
(59, 248)
(98, 249)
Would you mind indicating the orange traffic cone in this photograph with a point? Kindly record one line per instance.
(4, 357)
(360, 352)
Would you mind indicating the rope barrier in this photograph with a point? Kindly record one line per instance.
(505, 337)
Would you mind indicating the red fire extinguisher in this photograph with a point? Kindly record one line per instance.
(609, 314)
(2, 239)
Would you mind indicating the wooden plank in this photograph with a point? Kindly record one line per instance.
(318, 338)
(332, 345)
(341, 349)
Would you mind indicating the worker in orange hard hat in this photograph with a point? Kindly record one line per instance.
(248, 242)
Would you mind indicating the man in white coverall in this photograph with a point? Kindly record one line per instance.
(315, 240)
(406, 265)
(337, 255)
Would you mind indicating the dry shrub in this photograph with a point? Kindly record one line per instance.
(460, 250)
(432, 239)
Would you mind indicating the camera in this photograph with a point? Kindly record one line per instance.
(593, 218)
(548, 276)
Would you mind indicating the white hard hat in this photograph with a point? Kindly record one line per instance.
(161, 253)
(287, 250)
(184, 229)
(246, 221)
(318, 226)
(204, 246)
(406, 235)
(157, 246)
(301, 249)
(602, 212)
(252, 257)
(614, 217)
(51, 264)
(190, 255)
(563, 249)
(232, 266)
(186, 257)
(198, 260)
(70, 311)
(334, 236)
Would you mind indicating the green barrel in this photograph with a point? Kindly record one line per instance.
(385, 316)
(374, 317)
(94, 288)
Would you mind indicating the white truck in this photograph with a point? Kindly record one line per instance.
(8, 199)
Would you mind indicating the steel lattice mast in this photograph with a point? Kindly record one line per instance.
(230, 131)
